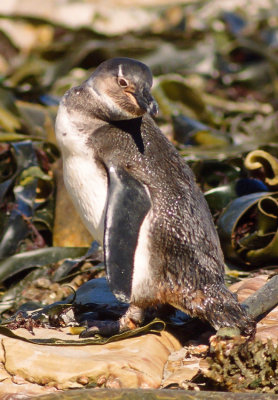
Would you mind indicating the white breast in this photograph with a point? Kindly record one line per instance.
(84, 180)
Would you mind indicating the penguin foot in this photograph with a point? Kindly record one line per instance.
(103, 328)
(132, 319)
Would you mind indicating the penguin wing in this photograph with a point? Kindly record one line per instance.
(127, 205)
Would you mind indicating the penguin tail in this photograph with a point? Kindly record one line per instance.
(224, 310)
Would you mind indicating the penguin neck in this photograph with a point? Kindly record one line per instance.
(133, 128)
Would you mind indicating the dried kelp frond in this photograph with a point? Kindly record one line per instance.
(239, 365)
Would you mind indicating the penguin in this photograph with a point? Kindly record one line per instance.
(139, 199)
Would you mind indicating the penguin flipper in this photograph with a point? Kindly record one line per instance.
(127, 205)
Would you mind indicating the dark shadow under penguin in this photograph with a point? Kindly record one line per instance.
(139, 198)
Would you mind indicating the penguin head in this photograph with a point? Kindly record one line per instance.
(122, 87)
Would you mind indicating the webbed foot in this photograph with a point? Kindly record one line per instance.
(132, 319)
(103, 328)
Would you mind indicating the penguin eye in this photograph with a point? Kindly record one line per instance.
(122, 82)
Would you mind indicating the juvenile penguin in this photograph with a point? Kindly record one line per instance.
(139, 199)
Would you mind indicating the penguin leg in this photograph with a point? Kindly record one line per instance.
(132, 319)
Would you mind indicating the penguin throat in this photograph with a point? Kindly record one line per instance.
(133, 128)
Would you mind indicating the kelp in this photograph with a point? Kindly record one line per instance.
(22, 276)
(155, 326)
(263, 300)
(259, 161)
(243, 366)
(11, 266)
(33, 194)
(92, 301)
(248, 227)
(192, 132)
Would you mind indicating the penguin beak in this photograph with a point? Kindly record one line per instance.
(146, 101)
